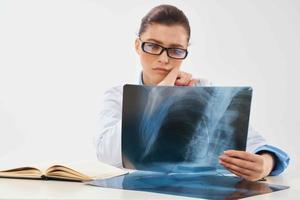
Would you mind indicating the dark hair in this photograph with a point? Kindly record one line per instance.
(166, 15)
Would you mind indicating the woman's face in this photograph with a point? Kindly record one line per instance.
(156, 67)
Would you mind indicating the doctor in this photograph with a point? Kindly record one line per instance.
(162, 46)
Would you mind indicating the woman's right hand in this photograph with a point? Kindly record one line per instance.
(178, 78)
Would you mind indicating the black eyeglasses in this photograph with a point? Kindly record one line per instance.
(156, 49)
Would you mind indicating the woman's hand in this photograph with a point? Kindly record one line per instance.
(247, 165)
(178, 78)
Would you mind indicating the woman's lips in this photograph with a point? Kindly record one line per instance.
(161, 70)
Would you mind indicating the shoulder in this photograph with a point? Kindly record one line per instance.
(113, 95)
(114, 91)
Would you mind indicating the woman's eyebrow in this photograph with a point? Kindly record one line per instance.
(161, 43)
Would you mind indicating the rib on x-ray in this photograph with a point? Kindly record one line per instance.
(182, 128)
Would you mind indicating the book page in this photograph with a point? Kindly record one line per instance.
(22, 172)
(85, 170)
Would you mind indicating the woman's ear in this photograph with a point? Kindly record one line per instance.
(137, 46)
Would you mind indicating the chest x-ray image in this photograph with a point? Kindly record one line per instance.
(182, 129)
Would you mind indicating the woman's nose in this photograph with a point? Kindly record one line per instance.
(163, 57)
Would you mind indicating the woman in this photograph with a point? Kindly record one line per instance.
(162, 46)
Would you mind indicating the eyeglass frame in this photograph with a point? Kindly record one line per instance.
(163, 49)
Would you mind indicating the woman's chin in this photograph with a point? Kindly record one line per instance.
(155, 79)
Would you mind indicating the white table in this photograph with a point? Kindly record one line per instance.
(36, 189)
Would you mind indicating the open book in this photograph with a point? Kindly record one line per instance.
(72, 172)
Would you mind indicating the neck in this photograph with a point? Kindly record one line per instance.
(146, 81)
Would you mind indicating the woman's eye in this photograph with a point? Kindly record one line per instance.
(177, 51)
(153, 46)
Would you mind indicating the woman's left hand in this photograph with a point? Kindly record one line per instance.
(247, 165)
(185, 79)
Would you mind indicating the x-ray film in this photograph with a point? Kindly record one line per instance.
(182, 129)
(190, 185)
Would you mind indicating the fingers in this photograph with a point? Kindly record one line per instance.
(236, 168)
(242, 155)
(170, 79)
(193, 82)
(244, 164)
(178, 78)
(241, 175)
(183, 79)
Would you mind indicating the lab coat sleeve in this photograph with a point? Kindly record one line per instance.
(108, 136)
(257, 144)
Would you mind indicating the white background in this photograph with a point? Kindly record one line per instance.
(58, 57)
